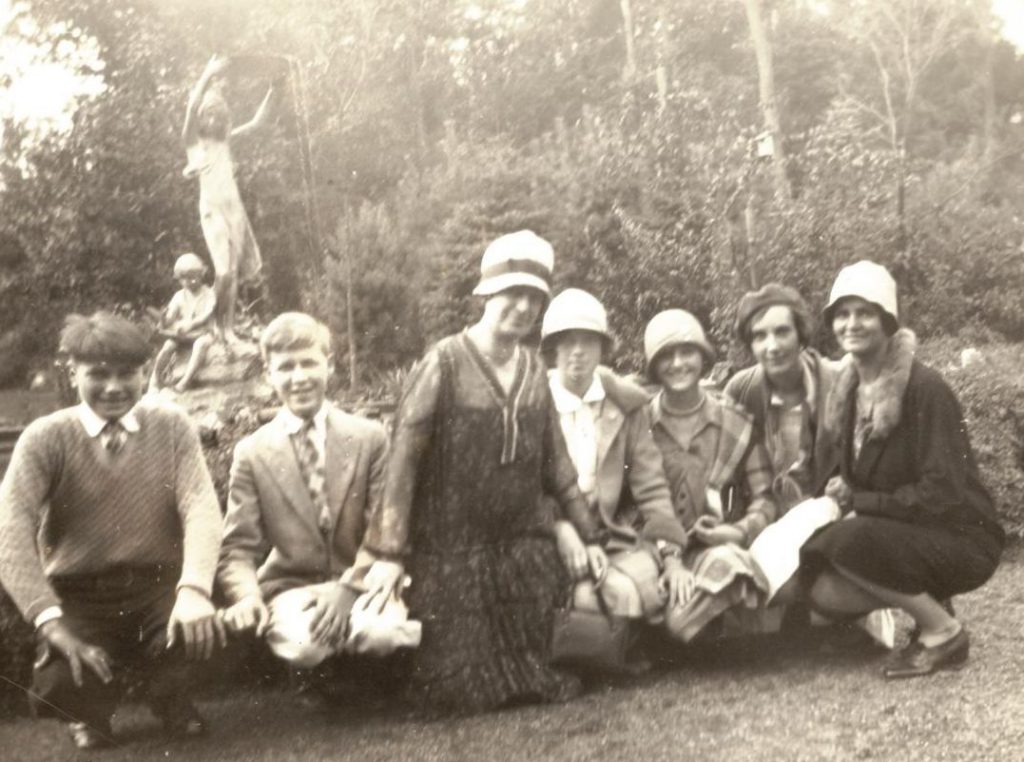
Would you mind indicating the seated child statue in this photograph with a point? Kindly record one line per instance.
(301, 489)
(186, 323)
(109, 541)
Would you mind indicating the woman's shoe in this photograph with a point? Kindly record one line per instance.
(916, 659)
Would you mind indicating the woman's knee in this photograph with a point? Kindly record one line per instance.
(836, 598)
(828, 591)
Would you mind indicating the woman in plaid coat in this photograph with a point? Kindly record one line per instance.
(711, 459)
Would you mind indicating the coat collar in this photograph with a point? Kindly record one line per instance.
(886, 394)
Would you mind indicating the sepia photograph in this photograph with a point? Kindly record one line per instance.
(455, 380)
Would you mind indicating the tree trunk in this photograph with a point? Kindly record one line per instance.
(989, 127)
(630, 69)
(761, 38)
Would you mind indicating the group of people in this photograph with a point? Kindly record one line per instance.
(514, 484)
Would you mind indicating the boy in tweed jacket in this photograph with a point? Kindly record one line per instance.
(302, 487)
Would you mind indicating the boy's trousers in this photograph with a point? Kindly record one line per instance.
(123, 611)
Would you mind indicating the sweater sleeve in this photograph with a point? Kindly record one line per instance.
(198, 508)
(943, 455)
(23, 494)
(244, 544)
(645, 475)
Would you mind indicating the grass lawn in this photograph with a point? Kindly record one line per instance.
(745, 701)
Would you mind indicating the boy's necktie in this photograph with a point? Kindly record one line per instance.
(312, 466)
(113, 436)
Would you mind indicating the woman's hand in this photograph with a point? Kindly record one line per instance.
(677, 582)
(571, 549)
(711, 531)
(840, 491)
(381, 580)
(598, 562)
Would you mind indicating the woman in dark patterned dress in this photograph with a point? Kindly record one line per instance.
(475, 445)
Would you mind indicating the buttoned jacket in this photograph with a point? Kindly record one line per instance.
(633, 497)
(272, 538)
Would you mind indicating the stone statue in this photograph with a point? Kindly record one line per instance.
(187, 323)
(229, 237)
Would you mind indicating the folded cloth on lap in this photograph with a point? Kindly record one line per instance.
(775, 552)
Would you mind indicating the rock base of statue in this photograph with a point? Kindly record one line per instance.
(228, 380)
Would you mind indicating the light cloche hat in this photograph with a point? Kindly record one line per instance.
(675, 327)
(869, 281)
(574, 310)
(522, 258)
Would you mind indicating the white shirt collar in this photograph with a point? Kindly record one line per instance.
(293, 424)
(566, 401)
(94, 423)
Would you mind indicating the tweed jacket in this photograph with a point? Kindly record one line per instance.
(631, 487)
(749, 388)
(272, 541)
(916, 463)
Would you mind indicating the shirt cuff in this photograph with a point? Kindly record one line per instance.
(47, 615)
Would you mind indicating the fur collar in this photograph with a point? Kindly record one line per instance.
(886, 393)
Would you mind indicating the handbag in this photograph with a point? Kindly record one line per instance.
(590, 640)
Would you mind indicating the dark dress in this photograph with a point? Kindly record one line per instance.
(462, 504)
(924, 522)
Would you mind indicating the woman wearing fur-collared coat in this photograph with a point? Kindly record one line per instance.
(919, 526)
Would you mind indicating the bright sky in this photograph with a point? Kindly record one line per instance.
(41, 90)
(1012, 14)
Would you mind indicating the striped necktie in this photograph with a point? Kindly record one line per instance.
(312, 466)
(113, 436)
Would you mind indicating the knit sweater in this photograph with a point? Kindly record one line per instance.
(68, 506)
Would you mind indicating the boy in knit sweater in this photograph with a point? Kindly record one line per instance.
(109, 534)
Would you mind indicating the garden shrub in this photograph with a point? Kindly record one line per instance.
(991, 392)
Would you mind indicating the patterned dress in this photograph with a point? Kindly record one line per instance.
(468, 467)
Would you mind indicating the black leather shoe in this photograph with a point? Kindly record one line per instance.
(916, 660)
(182, 720)
(86, 736)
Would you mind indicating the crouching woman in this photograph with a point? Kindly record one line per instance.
(919, 525)
(718, 473)
(607, 429)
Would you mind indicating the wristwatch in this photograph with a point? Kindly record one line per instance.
(669, 550)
